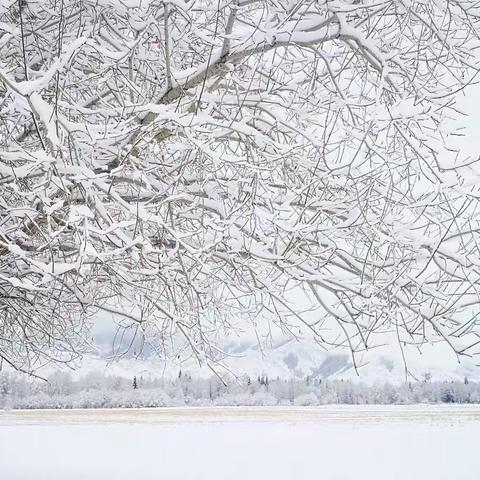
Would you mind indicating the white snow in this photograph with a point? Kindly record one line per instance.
(342, 443)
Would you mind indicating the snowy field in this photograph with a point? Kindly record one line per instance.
(340, 443)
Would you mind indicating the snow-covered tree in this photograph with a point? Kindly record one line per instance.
(18, 391)
(169, 161)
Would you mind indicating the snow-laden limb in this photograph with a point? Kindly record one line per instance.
(175, 162)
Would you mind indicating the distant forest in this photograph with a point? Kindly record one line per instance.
(96, 390)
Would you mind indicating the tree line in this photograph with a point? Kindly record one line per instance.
(96, 390)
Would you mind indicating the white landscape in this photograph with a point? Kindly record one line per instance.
(239, 239)
(342, 443)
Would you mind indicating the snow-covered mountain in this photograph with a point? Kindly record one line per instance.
(289, 357)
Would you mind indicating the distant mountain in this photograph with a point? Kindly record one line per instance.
(381, 364)
(289, 357)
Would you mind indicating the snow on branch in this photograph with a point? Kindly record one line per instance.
(207, 167)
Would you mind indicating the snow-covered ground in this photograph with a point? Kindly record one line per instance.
(341, 443)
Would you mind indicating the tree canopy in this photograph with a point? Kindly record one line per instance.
(174, 162)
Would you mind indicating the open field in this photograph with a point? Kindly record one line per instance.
(328, 443)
